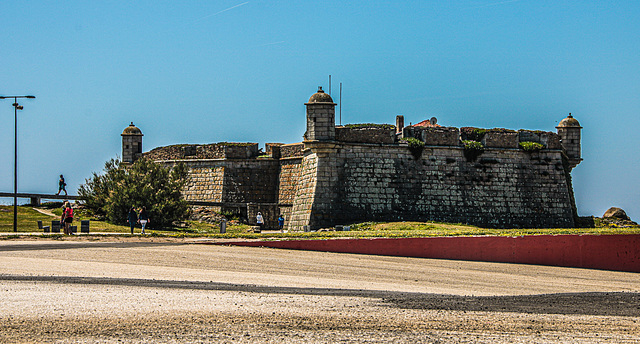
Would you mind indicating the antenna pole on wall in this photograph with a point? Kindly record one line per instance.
(340, 103)
(329, 84)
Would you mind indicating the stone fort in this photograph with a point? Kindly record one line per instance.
(340, 175)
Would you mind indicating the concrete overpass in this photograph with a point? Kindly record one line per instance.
(36, 198)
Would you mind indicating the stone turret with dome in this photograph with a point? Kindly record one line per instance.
(131, 144)
(131, 130)
(569, 130)
(320, 97)
(321, 114)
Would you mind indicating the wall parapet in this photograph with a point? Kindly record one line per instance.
(292, 150)
(366, 133)
(548, 139)
(221, 150)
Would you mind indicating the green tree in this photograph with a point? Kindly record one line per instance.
(144, 183)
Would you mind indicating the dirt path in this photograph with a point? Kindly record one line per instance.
(172, 291)
(45, 212)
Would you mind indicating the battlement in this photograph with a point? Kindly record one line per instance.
(366, 133)
(221, 150)
(446, 136)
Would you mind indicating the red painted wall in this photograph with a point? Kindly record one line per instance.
(606, 252)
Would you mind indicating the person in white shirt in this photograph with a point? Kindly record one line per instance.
(260, 220)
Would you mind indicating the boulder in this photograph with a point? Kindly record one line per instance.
(617, 213)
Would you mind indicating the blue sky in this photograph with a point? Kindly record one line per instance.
(211, 71)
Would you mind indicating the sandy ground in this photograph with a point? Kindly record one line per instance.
(123, 290)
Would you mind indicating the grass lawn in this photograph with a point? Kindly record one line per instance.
(28, 217)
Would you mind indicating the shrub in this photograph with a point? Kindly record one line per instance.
(143, 183)
(415, 146)
(472, 149)
(529, 146)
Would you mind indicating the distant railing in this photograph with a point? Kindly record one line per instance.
(36, 199)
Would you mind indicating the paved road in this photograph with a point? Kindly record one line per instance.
(137, 290)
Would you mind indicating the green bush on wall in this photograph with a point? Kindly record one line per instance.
(472, 149)
(529, 146)
(415, 146)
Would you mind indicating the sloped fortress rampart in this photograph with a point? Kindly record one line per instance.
(346, 174)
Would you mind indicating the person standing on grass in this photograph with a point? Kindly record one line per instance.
(64, 207)
(62, 185)
(132, 218)
(67, 214)
(143, 218)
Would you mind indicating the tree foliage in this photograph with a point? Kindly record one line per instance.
(144, 183)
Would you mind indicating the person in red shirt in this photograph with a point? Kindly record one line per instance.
(67, 218)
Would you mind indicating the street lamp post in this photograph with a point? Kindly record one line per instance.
(15, 157)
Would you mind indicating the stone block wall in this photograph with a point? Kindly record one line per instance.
(366, 134)
(241, 151)
(205, 182)
(273, 149)
(571, 143)
(291, 150)
(290, 172)
(305, 193)
(501, 139)
(505, 188)
(231, 181)
(209, 151)
(131, 148)
(441, 136)
(250, 180)
(320, 121)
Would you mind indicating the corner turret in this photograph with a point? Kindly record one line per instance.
(569, 130)
(131, 144)
(321, 114)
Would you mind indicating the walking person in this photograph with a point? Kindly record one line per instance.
(62, 185)
(67, 215)
(143, 218)
(132, 218)
(260, 220)
(281, 223)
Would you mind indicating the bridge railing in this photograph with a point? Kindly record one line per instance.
(36, 199)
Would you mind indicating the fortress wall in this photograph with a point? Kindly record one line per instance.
(290, 172)
(250, 180)
(205, 183)
(503, 188)
(233, 181)
(305, 193)
(206, 179)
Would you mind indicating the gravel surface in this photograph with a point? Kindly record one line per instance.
(150, 290)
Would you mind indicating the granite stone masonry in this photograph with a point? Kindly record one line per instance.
(342, 175)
